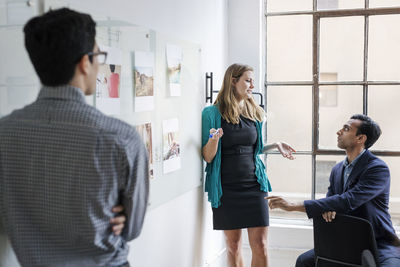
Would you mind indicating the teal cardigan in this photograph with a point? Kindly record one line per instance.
(211, 118)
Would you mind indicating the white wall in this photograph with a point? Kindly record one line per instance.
(202, 22)
(245, 36)
(179, 232)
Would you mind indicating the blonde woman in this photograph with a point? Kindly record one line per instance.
(236, 181)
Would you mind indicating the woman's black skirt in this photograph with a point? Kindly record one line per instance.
(242, 206)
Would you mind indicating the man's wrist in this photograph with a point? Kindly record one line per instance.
(298, 207)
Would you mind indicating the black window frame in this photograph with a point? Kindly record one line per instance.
(317, 15)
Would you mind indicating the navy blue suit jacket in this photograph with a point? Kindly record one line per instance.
(365, 195)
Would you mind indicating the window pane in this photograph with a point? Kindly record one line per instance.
(340, 4)
(383, 51)
(341, 47)
(291, 179)
(382, 105)
(332, 118)
(384, 3)
(289, 5)
(286, 61)
(394, 205)
(289, 115)
(324, 165)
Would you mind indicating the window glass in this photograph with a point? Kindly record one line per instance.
(383, 3)
(349, 101)
(383, 104)
(289, 118)
(324, 165)
(340, 4)
(383, 48)
(342, 47)
(289, 48)
(289, 5)
(290, 179)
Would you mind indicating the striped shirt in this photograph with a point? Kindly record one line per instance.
(63, 166)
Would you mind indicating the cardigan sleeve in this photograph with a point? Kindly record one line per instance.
(206, 125)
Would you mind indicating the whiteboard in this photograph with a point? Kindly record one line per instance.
(19, 86)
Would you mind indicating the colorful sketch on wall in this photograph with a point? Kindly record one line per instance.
(171, 147)
(143, 80)
(107, 97)
(144, 131)
(174, 62)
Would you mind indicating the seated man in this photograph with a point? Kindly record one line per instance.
(359, 186)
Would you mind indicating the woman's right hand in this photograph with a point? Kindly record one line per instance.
(210, 149)
(216, 134)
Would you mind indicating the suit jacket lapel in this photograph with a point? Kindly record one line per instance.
(338, 179)
(357, 169)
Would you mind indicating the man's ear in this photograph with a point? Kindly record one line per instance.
(84, 65)
(362, 138)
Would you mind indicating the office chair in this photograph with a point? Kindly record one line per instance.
(342, 242)
(367, 259)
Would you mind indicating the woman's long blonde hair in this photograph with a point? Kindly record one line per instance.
(228, 104)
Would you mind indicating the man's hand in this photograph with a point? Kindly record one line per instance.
(329, 216)
(118, 221)
(281, 203)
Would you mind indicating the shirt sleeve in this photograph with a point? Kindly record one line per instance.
(136, 192)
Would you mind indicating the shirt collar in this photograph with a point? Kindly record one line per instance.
(353, 163)
(67, 92)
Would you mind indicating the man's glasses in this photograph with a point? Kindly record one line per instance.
(101, 56)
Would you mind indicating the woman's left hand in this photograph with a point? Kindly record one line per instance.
(286, 150)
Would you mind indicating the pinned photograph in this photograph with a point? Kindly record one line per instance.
(143, 80)
(107, 97)
(174, 62)
(108, 80)
(171, 147)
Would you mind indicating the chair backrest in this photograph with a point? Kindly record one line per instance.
(368, 259)
(342, 241)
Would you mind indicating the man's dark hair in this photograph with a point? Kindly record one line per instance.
(112, 68)
(56, 41)
(368, 127)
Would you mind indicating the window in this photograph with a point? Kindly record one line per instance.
(328, 93)
(325, 61)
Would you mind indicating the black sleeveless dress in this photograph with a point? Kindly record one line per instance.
(242, 202)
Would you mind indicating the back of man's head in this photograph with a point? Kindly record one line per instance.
(56, 41)
(368, 127)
